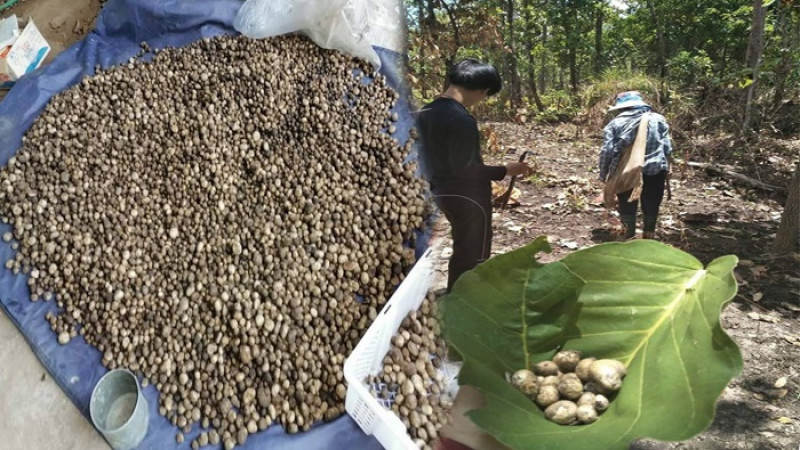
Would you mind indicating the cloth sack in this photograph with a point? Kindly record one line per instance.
(629, 170)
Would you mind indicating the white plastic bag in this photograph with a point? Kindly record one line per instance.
(350, 26)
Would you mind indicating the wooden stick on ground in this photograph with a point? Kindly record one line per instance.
(725, 172)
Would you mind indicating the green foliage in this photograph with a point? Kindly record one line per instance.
(536, 180)
(688, 69)
(698, 49)
(649, 305)
(679, 106)
(481, 54)
(522, 332)
(613, 81)
(559, 106)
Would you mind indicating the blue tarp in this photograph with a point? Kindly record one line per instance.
(121, 27)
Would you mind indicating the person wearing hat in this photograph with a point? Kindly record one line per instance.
(450, 159)
(618, 138)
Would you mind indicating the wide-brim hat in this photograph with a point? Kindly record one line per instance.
(629, 99)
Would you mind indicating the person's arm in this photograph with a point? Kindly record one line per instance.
(464, 152)
(666, 142)
(606, 152)
(460, 432)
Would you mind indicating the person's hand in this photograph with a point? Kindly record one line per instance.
(518, 169)
(460, 432)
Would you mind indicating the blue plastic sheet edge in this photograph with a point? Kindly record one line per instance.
(121, 27)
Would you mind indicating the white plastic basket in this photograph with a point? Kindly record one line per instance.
(367, 359)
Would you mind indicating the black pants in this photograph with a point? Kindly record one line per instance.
(651, 198)
(470, 218)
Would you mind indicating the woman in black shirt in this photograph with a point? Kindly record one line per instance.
(452, 163)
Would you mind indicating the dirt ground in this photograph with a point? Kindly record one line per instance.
(707, 217)
(62, 23)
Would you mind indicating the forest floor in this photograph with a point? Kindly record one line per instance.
(707, 217)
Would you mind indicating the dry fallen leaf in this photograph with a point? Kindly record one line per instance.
(792, 339)
(499, 189)
(572, 245)
(758, 271)
(777, 394)
(788, 305)
(763, 317)
(490, 136)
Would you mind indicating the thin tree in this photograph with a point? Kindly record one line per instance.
(529, 42)
(755, 50)
(456, 33)
(661, 41)
(789, 229)
(789, 38)
(513, 74)
(422, 33)
(542, 81)
(570, 23)
(598, 38)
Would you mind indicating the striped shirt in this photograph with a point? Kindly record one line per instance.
(621, 132)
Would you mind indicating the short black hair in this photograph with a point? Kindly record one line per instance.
(474, 75)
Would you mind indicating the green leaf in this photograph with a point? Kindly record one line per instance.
(647, 304)
(514, 303)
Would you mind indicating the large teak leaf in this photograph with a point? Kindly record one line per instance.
(651, 306)
(515, 304)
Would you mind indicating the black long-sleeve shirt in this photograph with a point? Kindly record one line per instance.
(450, 154)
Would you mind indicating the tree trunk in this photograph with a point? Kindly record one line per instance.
(543, 61)
(598, 38)
(515, 92)
(529, 31)
(662, 43)
(431, 17)
(787, 29)
(724, 58)
(573, 70)
(755, 50)
(571, 20)
(789, 231)
(422, 32)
